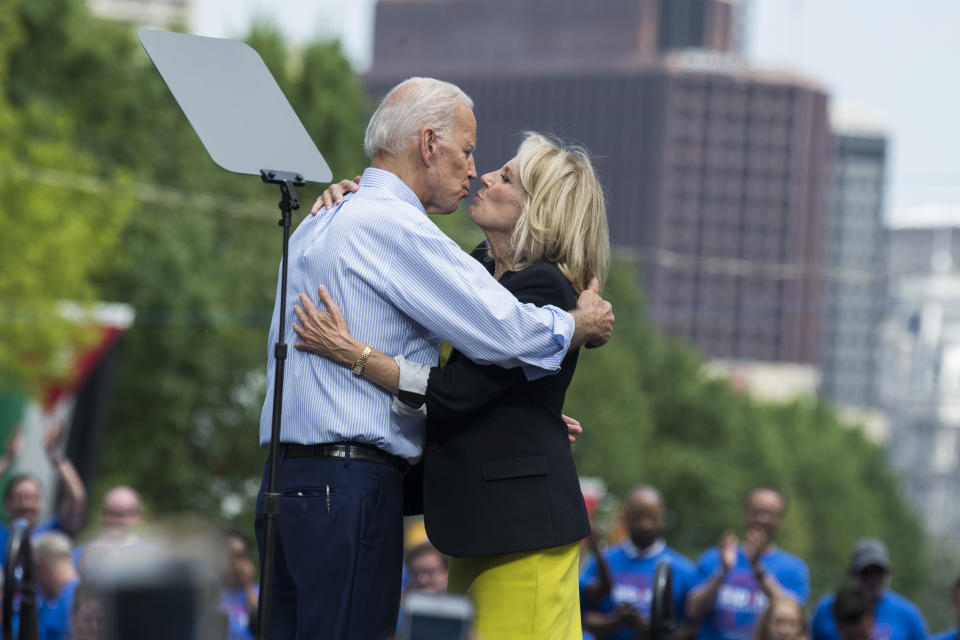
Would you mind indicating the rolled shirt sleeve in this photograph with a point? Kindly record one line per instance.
(411, 399)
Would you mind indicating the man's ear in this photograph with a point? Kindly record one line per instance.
(428, 145)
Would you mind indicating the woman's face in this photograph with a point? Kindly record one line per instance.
(497, 206)
(785, 623)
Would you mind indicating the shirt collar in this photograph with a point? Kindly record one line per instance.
(635, 552)
(386, 181)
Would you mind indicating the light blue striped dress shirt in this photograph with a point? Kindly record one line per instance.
(403, 286)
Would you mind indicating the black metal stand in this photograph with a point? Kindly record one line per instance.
(271, 499)
(19, 555)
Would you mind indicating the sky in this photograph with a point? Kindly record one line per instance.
(889, 62)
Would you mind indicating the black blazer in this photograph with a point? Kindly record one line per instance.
(498, 473)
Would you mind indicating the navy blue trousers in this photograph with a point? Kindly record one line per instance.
(339, 551)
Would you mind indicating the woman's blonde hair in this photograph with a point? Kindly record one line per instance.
(564, 218)
(760, 630)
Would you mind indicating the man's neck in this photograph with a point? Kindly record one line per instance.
(402, 167)
(650, 550)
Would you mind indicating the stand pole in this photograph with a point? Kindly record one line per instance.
(20, 555)
(271, 499)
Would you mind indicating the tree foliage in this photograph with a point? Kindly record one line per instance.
(653, 414)
(55, 237)
(198, 258)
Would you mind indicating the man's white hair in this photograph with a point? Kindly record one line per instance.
(410, 106)
(52, 545)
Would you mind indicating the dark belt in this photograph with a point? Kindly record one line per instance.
(344, 450)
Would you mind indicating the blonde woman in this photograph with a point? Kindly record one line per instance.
(500, 489)
(783, 620)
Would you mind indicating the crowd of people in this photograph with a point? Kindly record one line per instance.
(744, 588)
(72, 572)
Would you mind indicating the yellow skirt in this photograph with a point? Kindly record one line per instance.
(531, 595)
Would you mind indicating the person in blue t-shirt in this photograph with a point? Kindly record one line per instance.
(951, 634)
(894, 617)
(23, 494)
(240, 593)
(736, 582)
(57, 580)
(616, 587)
(853, 611)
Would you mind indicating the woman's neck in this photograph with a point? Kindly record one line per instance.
(500, 248)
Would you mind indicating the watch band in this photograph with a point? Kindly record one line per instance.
(361, 362)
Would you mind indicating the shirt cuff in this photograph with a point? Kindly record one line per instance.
(412, 384)
(413, 375)
(563, 326)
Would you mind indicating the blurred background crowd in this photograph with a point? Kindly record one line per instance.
(746, 587)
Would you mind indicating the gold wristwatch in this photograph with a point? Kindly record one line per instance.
(361, 362)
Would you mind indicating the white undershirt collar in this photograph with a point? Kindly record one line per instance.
(635, 553)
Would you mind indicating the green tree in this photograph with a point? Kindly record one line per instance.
(654, 414)
(55, 236)
(199, 255)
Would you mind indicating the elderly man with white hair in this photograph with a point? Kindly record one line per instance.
(345, 447)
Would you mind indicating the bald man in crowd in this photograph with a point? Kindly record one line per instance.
(120, 517)
(616, 589)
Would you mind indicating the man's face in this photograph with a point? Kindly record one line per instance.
(453, 166)
(427, 573)
(87, 621)
(643, 517)
(121, 510)
(861, 629)
(24, 501)
(238, 569)
(874, 579)
(764, 513)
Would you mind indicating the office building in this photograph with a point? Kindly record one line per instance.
(715, 173)
(856, 258)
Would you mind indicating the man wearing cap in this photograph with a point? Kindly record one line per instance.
(894, 617)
